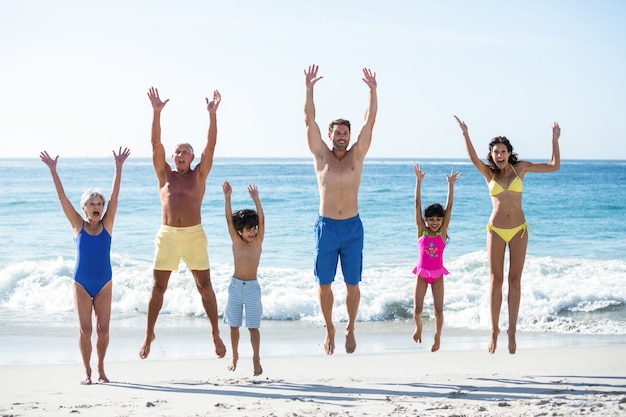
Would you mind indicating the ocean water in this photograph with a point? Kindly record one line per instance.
(573, 283)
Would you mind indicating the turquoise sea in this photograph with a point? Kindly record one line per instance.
(573, 283)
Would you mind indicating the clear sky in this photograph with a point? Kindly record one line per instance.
(74, 74)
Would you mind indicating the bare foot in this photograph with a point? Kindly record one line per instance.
(102, 378)
(493, 342)
(258, 370)
(86, 380)
(350, 341)
(436, 343)
(512, 342)
(145, 348)
(417, 334)
(220, 349)
(233, 363)
(329, 342)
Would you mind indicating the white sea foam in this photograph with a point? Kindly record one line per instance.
(558, 295)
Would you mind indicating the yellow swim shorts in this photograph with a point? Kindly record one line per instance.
(175, 243)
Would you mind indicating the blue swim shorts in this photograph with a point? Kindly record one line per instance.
(244, 295)
(338, 240)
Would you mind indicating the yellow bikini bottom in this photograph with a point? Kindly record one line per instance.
(508, 234)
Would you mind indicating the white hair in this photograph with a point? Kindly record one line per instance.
(89, 194)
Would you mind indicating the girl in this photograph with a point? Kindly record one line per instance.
(507, 224)
(92, 274)
(432, 235)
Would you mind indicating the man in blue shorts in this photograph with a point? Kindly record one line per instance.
(338, 230)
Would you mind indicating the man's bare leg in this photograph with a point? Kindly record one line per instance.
(327, 299)
(353, 298)
(203, 283)
(159, 286)
(234, 343)
(255, 340)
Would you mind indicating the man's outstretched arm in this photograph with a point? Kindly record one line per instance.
(206, 161)
(158, 151)
(313, 134)
(365, 135)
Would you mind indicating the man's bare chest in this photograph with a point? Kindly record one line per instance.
(182, 185)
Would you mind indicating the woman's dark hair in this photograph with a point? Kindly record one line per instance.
(246, 218)
(512, 155)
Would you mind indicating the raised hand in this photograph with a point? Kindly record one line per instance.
(311, 75)
(254, 191)
(212, 105)
(48, 160)
(121, 155)
(453, 176)
(419, 174)
(556, 130)
(462, 125)
(226, 187)
(157, 103)
(369, 78)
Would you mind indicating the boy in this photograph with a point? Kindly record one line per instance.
(246, 229)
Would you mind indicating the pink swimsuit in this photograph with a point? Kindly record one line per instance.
(430, 265)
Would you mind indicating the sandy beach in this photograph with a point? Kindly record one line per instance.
(563, 381)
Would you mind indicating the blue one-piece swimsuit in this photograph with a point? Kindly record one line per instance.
(93, 261)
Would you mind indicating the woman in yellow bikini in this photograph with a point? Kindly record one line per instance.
(507, 225)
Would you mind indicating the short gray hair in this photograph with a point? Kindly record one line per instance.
(89, 194)
(185, 144)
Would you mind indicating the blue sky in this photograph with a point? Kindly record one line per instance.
(75, 74)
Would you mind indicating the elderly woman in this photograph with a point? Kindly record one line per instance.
(92, 273)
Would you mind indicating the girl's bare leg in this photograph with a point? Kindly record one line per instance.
(418, 306)
(437, 289)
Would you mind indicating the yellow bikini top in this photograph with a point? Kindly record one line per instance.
(516, 185)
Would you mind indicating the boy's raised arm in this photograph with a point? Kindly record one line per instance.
(226, 187)
(254, 193)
